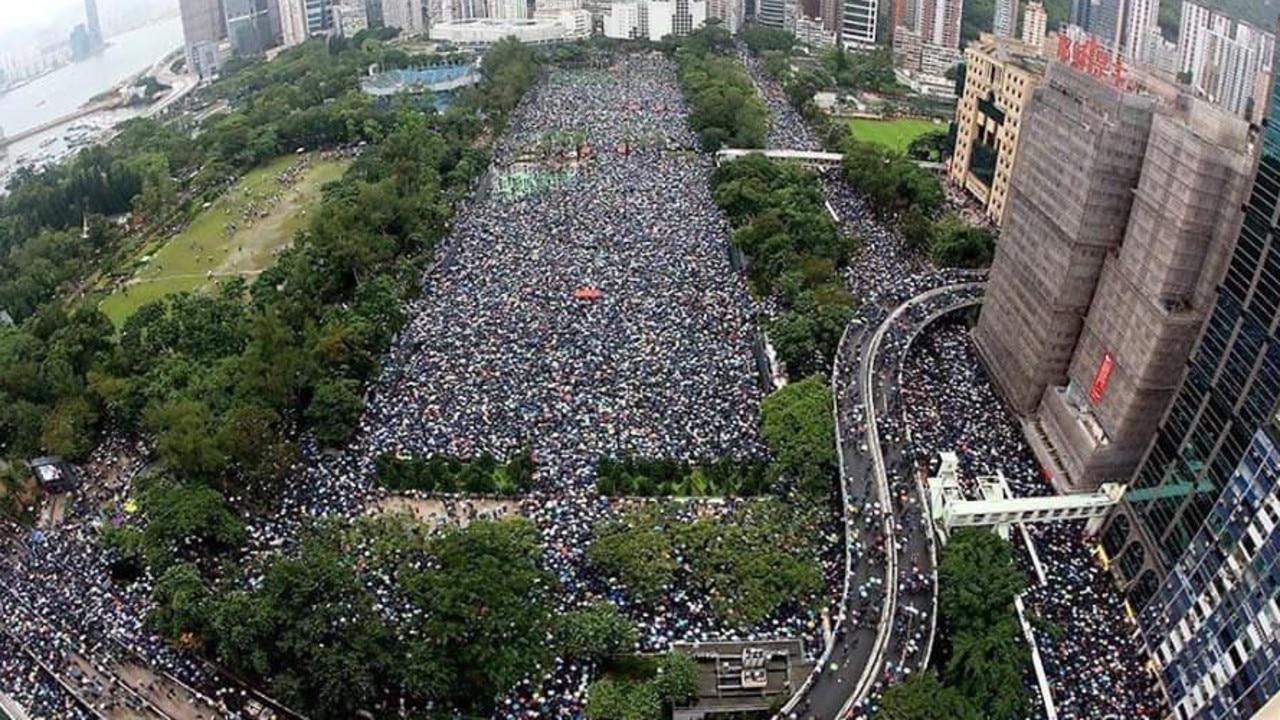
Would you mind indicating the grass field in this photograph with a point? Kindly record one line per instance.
(237, 236)
(893, 134)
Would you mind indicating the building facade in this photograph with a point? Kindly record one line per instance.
(1067, 209)
(1000, 75)
(1229, 389)
(1004, 22)
(407, 15)
(1106, 18)
(1195, 21)
(1035, 22)
(771, 13)
(249, 26)
(203, 25)
(92, 25)
(1141, 21)
(1214, 624)
(858, 23)
(730, 13)
(1153, 295)
(1227, 62)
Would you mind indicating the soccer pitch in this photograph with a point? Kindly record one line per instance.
(238, 235)
(893, 134)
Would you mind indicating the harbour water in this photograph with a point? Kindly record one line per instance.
(62, 91)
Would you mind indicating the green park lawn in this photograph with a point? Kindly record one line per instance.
(893, 134)
(204, 253)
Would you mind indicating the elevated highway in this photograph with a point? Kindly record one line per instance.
(875, 622)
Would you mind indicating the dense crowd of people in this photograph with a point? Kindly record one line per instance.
(1095, 667)
(594, 318)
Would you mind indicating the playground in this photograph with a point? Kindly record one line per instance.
(238, 235)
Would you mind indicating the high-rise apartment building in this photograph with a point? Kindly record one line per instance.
(771, 13)
(1153, 294)
(1106, 22)
(858, 23)
(1035, 22)
(407, 15)
(1227, 62)
(350, 17)
(905, 13)
(1000, 75)
(939, 22)
(830, 10)
(730, 13)
(1005, 21)
(249, 26)
(1067, 209)
(303, 19)
(203, 26)
(1229, 389)
(1141, 21)
(1195, 21)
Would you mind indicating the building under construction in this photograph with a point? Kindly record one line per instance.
(1121, 212)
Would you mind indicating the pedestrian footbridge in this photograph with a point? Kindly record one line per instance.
(950, 508)
(807, 158)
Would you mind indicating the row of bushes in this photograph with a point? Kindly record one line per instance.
(481, 475)
(639, 477)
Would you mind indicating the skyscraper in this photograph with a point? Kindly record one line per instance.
(404, 14)
(249, 26)
(830, 10)
(1195, 542)
(1141, 19)
(1214, 624)
(1078, 13)
(1005, 20)
(1230, 389)
(304, 19)
(1106, 22)
(771, 13)
(1196, 20)
(203, 26)
(858, 23)
(1034, 22)
(92, 25)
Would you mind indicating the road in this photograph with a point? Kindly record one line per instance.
(884, 622)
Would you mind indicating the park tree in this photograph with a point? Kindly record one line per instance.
(179, 604)
(676, 679)
(609, 699)
(598, 632)
(69, 428)
(639, 557)
(486, 604)
(310, 631)
(187, 523)
(335, 411)
(922, 697)
(987, 666)
(798, 426)
(978, 580)
(958, 244)
(185, 439)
